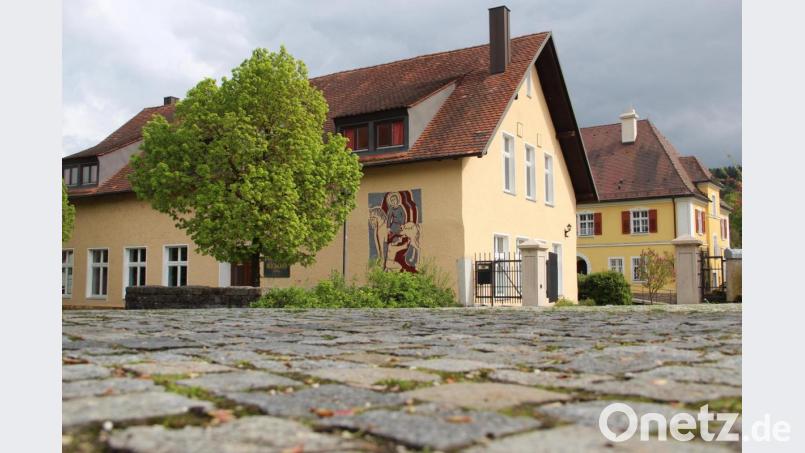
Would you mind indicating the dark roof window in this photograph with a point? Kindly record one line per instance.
(390, 133)
(357, 137)
(80, 174)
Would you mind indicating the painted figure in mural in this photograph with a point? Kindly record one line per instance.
(394, 229)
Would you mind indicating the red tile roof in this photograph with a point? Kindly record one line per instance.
(126, 134)
(464, 124)
(695, 169)
(477, 103)
(649, 167)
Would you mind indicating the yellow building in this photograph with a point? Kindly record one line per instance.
(464, 152)
(649, 195)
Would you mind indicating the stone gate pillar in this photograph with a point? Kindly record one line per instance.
(534, 279)
(733, 274)
(686, 265)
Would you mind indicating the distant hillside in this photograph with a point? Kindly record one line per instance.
(731, 178)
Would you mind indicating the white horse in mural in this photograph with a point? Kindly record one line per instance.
(378, 224)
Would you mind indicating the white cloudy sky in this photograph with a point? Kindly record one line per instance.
(678, 62)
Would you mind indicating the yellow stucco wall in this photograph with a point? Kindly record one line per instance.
(612, 243)
(441, 226)
(116, 222)
(488, 210)
(713, 220)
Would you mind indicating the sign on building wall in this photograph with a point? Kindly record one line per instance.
(395, 220)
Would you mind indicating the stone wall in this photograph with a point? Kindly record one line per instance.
(164, 297)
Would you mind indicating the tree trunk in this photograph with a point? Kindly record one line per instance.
(256, 270)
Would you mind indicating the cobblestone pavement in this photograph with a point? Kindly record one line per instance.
(502, 380)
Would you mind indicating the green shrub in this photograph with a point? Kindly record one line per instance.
(572, 303)
(605, 288)
(427, 288)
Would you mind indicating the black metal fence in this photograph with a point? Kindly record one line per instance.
(712, 281)
(641, 296)
(497, 279)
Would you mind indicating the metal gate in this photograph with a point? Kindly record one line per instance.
(711, 277)
(498, 279)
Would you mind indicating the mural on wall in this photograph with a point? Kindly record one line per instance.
(395, 220)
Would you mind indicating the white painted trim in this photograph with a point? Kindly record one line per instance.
(632, 219)
(529, 85)
(494, 240)
(553, 178)
(71, 250)
(631, 270)
(513, 167)
(88, 288)
(623, 263)
(165, 262)
(533, 148)
(224, 274)
(578, 224)
(624, 244)
(124, 280)
(586, 260)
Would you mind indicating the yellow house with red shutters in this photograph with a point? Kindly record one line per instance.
(649, 195)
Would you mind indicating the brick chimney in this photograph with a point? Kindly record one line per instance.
(629, 126)
(500, 47)
(170, 100)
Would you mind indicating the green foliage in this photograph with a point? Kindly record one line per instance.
(732, 179)
(605, 288)
(383, 290)
(655, 271)
(571, 303)
(245, 167)
(67, 215)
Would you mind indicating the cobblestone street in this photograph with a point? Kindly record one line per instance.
(501, 380)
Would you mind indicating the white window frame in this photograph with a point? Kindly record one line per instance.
(104, 272)
(622, 265)
(498, 254)
(549, 182)
(591, 224)
(166, 264)
(528, 84)
(128, 264)
(69, 264)
(530, 172)
(509, 164)
(635, 262)
(557, 249)
(714, 207)
(633, 218)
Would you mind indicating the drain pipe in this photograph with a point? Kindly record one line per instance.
(344, 252)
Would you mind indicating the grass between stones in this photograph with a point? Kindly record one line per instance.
(169, 382)
(401, 385)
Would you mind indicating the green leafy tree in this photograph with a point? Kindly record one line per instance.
(67, 215)
(245, 167)
(655, 271)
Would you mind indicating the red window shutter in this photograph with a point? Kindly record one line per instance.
(698, 220)
(349, 133)
(625, 219)
(704, 222)
(597, 224)
(397, 133)
(652, 220)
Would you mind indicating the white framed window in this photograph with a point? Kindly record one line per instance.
(557, 248)
(500, 245)
(134, 259)
(67, 257)
(586, 224)
(640, 222)
(713, 206)
(528, 83)
(508, 164)
(175, 265)
(501, 250)
(548, 179)
(636, 263)
(615, 264)
(97, 273)
(530, 173)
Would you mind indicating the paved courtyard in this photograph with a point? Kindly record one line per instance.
(500, 380)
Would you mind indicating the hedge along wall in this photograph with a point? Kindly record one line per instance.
(166, 297)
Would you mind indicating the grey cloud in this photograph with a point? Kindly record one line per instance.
(678, 63)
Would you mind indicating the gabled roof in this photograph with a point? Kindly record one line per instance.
(126, 134)
(465, 123)
(648, 168)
